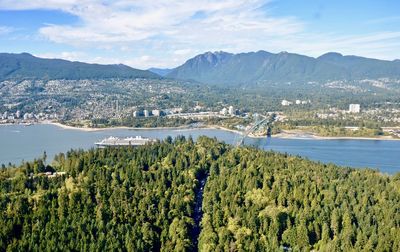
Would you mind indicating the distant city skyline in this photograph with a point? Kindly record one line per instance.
(162, 33)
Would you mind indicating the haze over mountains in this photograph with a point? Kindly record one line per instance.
(212, 68)
(160, 71)
(26, 66)
(246, 68)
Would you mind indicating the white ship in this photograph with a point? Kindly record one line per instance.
(128, 141)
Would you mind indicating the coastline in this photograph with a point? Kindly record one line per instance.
(214, 127)
(86, 129)
(283, 135)
(308, 136)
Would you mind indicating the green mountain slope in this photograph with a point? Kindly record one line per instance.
(254, 67)
(26, 66)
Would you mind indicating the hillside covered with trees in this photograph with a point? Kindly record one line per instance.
(265, 68)
(144, 199)
(26, 66)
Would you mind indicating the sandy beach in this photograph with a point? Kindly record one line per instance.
(143, 128)
(87, 129)
(287, 134)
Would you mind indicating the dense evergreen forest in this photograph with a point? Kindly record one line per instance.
(143, 199)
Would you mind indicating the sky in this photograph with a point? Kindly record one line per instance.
(165, 33)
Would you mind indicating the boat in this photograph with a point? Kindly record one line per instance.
(128, 141)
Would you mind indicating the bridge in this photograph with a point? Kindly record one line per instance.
(252, 129)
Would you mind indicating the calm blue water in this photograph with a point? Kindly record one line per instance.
(19, 143)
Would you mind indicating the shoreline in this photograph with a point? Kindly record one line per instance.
(308, 136)
(284, 135)
(63, 126)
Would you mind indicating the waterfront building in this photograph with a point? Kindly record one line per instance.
(176, 110)
(224, 111)
(354, 108)
(231, 110)
(156, 112)
(286, 103)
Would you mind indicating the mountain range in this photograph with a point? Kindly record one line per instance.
(255, 67)
(221, 68)
(27, 66)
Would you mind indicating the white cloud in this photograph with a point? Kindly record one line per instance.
(40, 4)
(183, 51)
(5, 30)
(375, 45)
(167, 27)
(72, 56)
(165, 33)
(126, 21)
(144, 61)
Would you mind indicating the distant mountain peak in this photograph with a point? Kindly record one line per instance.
(263, 67)
(26, 54)
(210, 58)
(216, 52)
(330, 55)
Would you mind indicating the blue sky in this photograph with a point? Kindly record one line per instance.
(164, 33)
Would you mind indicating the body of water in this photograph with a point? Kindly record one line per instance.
(19, 143)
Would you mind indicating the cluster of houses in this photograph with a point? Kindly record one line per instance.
(296, 102)
(148, 113)
(18, 116)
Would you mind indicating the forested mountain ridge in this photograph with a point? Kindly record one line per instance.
(254, 67)
(211, 68)
(27, 66)
(142, 199)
